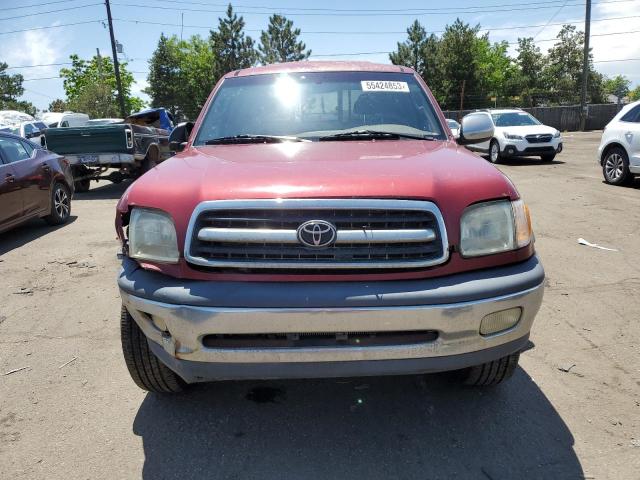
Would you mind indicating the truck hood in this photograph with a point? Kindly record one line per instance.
(449, 175)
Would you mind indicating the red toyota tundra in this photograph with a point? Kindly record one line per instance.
(320, 220)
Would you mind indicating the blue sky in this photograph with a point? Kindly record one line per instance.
(54, 45)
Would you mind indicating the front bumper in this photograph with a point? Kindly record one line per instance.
(522, 148)
(176, 316)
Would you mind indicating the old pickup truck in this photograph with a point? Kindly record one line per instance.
(124, 150)
(321, 220)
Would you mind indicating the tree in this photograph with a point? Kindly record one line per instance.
(634, 94)
(58, 105)
(531, 63)
(280, 42)
(497, 72)
(618, 86)
(164, 75)
(10, 89)
(96, 77)
(231, 48)
(458, 54)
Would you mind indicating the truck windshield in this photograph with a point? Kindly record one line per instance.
(315, 106)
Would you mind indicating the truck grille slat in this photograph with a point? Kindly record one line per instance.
(369, 234)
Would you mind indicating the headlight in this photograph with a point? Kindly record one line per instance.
(512, 137)
(494, 227)
(557, 134)
(152, 236)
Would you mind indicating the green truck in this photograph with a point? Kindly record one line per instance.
(113, 151)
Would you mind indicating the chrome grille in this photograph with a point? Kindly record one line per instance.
(370, 234)
(543, 138)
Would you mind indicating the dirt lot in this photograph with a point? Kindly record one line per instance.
(571, 411)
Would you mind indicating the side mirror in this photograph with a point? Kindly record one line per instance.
(477, 127)
(180, 136)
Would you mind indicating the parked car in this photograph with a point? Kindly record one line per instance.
(454, 127)
(33, 183)
(519, 134)
(32, 130)
(131, 148)
(619, 151)
(65, 119)
(321, 221)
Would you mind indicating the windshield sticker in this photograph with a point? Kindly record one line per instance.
(384, 86)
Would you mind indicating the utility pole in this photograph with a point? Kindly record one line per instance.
(181, 24)
(464, 82)
(585, 67)
(116, 66)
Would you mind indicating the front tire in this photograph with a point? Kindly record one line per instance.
(490, 373)
(548, 158)
(60, 205)
(494, 152)
(145, 369)
(615, 167)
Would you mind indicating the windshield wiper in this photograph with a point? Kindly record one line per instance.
(245, 138)
(374, 134)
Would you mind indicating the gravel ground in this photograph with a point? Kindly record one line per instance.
(571, 411)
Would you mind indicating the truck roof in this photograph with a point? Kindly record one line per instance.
(322, 66)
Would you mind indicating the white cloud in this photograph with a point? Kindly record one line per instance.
(137, 87)
(35, 47)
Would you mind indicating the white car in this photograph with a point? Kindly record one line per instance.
(65, 119)
(454, 127)
(519, 134)
(33, 130)
(619, 151)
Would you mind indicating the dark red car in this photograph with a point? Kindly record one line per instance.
(34, 183)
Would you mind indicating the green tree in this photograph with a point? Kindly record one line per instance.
(531, 63)
(458, 54)
(634, 94)
(164, 75)
(231, 48)
(280, 42)
(197, 64)
(618, 86)
(58, 105)
(86, 78)
(10, 90)
(497, 72)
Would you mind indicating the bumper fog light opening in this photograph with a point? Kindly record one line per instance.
(500, 321)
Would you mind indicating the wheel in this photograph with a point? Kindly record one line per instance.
(494, 152)
(150, 161)
(82, 186)
(615, 167)
(60, 205)
(145, 369)
(491, 373)
(548, 158)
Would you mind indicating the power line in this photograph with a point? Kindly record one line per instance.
(367, 13)
(40, 65)
(52, 26)
(50, 11)
(355, 32)
(551, 19)
(37, 5)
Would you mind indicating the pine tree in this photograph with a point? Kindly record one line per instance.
(280, 42)
(231, 48)
(164, 75)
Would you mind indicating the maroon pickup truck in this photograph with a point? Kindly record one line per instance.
(320, 220)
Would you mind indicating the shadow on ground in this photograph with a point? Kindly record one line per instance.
(369, 428)
(103, 190)
(527, 161)
(27, 232)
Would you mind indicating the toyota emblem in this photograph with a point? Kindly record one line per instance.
(316, 233)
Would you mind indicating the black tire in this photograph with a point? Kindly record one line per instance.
(494, 152)
(491, 373)
(82, 186)
(145, 369)
(548, 158)
(150, 161)
(615, 167)
(60, 205)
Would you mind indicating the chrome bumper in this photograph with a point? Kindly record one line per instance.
(179, 329)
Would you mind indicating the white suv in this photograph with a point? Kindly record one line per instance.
(519, 134)
(619, 151)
